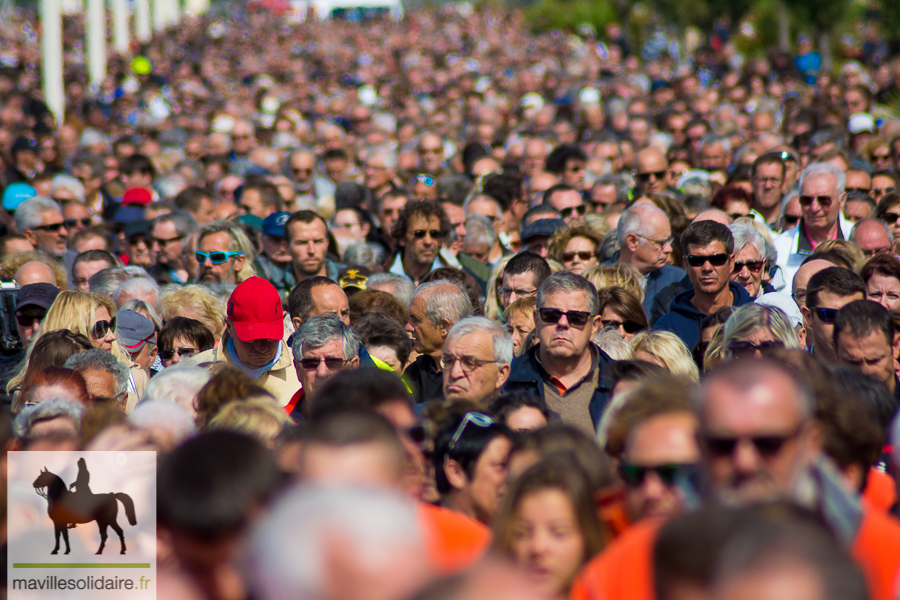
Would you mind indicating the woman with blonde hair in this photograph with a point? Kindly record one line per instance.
(616, 275)
(492, 308)
(665, 349)
(576, 248)
(258, 417)
(755, 330)
(194, 302)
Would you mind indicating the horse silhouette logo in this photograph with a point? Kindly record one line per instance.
(67, 509)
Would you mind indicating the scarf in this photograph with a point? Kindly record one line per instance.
(256, 372)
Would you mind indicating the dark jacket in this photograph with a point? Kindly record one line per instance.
(683, 319)
(527, 375)
(426, 381)
(659, 282)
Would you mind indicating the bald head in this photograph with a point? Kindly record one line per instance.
(650, 171)
(541, 182)
(35, 272)
(873, 236)
(801, 279)
(714, 214)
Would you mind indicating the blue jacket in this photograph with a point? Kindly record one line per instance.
(527, 375)
(655, 281)
(683, 319)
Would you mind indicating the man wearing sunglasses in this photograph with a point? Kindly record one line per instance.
(709, 262)
(420, 231)
(568, 201)
(167, 232)
(650, 166)
(224, 254)
(32, 303)
(821, 203)
(564, 367)
(827, 292)
(864, 340)
(40, 220)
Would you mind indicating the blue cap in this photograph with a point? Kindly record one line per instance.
(542, 227)
(254, 222)
(274, 224)
(128, 213)
(17, 193)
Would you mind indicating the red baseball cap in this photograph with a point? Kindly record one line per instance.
(137, 195)
(255, 309)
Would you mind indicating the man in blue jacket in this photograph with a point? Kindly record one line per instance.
(564, 367)
(709, 261)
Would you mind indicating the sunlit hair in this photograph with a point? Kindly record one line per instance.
(14, 260)
(751, 318)
(237, 242)
(260, 418)
(194, 302)
(609, 340)
(557, 245)
(523, 306)
(492, 308)
(616, 275)
(669, 349)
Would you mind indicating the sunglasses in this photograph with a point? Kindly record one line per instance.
(216, 258)
(165, 242)
(583, 255)
(878, 192)
(768, 446)
(739, 349)
(101, 328)
(630, 327)
(792, 220)
(576, 318)
(697, 260)
(634, 475)
(581, 209)
(736, 215)
(332, 364)
(51, 227)
(29, 320)
(754, 266)
(824, 201)
(476, 418)
(422, 178)
(826, 315)
(420, 234)
(84, 222)
(860, 190)
(646, 176)
(891, 217)
(170, 354)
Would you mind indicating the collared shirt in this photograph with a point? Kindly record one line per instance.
(397, 266)
(572, 403)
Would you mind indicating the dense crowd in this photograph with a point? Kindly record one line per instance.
(442, 308)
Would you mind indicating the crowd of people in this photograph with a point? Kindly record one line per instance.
(443, 308)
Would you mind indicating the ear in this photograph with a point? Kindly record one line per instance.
(296, 322)
(30, 236)
(455, 474)
(444, 326)
(595, 325)
(365, 229)
(801, 337)
(807, 318)
(502, 375)
(239, 262)
(632, 241)
(353, 362)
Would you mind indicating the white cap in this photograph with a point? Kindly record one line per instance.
(785, 303)
(861, 122)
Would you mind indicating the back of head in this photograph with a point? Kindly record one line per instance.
(364, 388)
(444, 301)
(226, 385)
(180, 385)
(300, 300)
(834, 280)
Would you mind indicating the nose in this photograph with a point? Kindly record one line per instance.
(63, 232)
(321, 370)
(176, 358)
(653, 486)
(745, 457)
(409, 327)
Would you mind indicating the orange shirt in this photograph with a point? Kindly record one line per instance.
(453, 540)
(877, 551)
(881, 491)
(624, 571)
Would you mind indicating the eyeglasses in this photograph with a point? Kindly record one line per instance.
(29, 320)
(768, 180)
(634, 475)
(576, 318)
(567, 212)
(420, 234)
(644, 177)
(476, 418)
(737, 215)
(332, 364)
(878, 192)
(583, 255)
(860, 190)
(506, 292)
(877, 251)
(826, 315)
(824, 201)
(216, 258)
(768, 446)
(697, 260)
(422, 178)
(170, 354)
(51, 227)
(792, 220)
(84, 222)
(101, 328)
(754, 266)
(163, 242)
(430, 150)
(661, 243)
(630, 327)
(739, 349)
(468, 363)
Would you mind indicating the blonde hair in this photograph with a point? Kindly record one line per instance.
(669, 349)
(522, 306)
(194, 302)
(13, 261)
(492, 308)
(616, 275)
(612, 343)
(557, 244)
(260, 418)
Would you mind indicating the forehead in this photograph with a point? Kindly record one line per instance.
(314, 229)
(331, 348)
(330, 294)
(873, 342)
(423, 222)
(215, 241)
(825, 182)
(715, 247)
(567, 300)
(476, 343)
(771, 404)
(748, 251)
(302, 159)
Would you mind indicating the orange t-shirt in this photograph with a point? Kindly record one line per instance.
(624, 571)
(881, 491)
(877, 551)
(453, 540)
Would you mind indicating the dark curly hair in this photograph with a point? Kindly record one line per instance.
(505, 187)
(425, 208)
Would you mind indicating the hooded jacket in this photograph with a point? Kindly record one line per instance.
(281, 380)
(683, 318)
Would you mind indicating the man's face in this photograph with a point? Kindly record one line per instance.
(603, 196)
(660, 441)
(470, 372)
(138, 249)
(50, 235)
(754, 441)
(457, 218)
(241, 138)
(136, 179)
(573, 173)
(819, 201)
(252, 203)
(713, 157)
(390, 210)
(85, 270)
(823, 330)
(513, 287)
(872, 238)
(427, 337)
(225, 272)
(166, 242)
(856, 210)
(423, 239)
(347, 224)
(570, 205)
(314, 368)
(707, 278)
(376, 172)
(253, 353)
(101, 387)
(308, 246)
(335, 168)
(652, 254)
(767, 185)
(28, 319)
(858, 181)
(871, 354)
(748, 269)
(303, 168)
(650, 172)
(275, 247)
(534, 157)
(562, 339)
(330, 299)
(431, 153)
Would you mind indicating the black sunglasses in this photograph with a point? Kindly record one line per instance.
(170, 354)
(739, 349)
(791, 220)
(646, 176)
(768, 446)
(583, 255)
(101, 328)
(824, 201)
(581, 209)
(420, 234)
(697, 260)
(634, 475)
(826, 315)
(332, 364)
(630, 327)
(29, 320)
(754, 266)
(576, 318)
(50, 227)
(84, 222)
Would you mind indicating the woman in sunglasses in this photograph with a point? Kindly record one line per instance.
(621, 311)
(181, 337)
(576, 247)
(548, 524)
(888, 210)
(756, 330)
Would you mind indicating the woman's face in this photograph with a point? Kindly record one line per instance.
(755, 344)
(548, 541)
(181, 347)
(388, 355)
(737, 208)
(488, 483)
(519, 325)
(609, 317)
(580, 254)
(104, 342)
(884, 290)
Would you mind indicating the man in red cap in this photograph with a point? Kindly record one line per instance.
(254, 339)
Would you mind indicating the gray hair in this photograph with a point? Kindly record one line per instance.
(106, 281)
(696, 186)
(138, 288)
(285, 553)
(750, 318)
(165, 415)
(141, 306)
(390, 156)
(183, 220)
(622, 182)
(444, 300)
(820, 169)
(179, 384)
(238, 240)
(401, 287)
(613, 344)
(101, 360)
(170, 186)
(53, 408)
(28, 214)
(566, 281)
(746, 234)
(363, 254)
(711, 139)
(320, 330)
(634, 220)
(500, 339)
(480, 230)
(67, 182)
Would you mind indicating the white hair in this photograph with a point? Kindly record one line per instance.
(177, 384)
(400, 287)
(142, 288)
(500, 339)
(609, 340)
(819, 169)
(67, 182)
(747, 234)
(164, 415)
(390, 156)
(28, 214)
(635, 220)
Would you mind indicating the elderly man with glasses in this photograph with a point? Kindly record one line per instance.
(475, 360)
